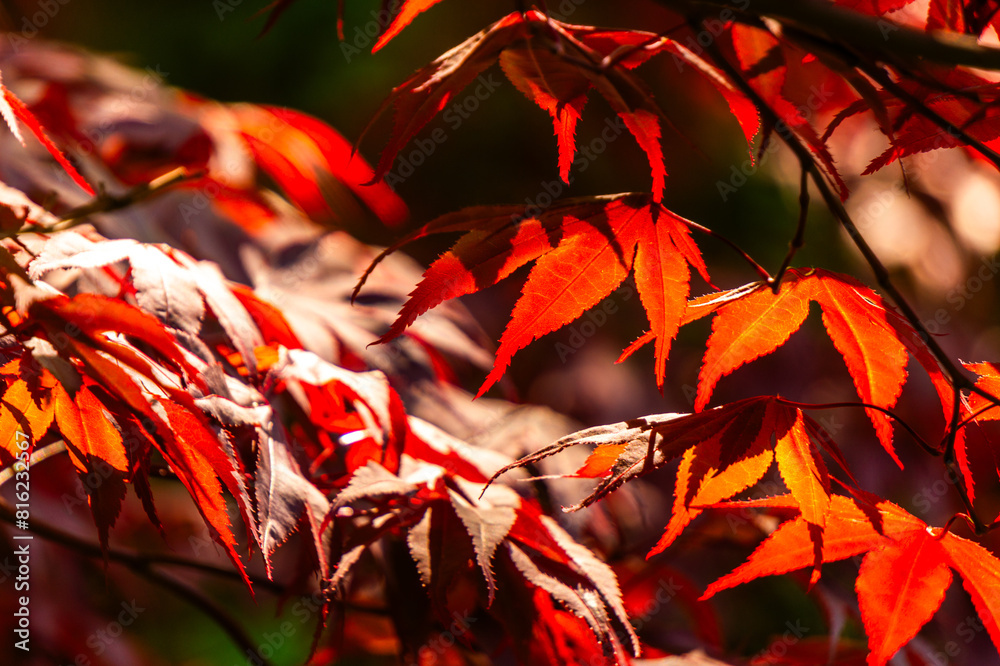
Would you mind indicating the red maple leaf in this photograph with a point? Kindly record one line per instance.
(903, 577)
(724, 451)
(582, 249)
(555, 64)
(753, 321)
(13, 110)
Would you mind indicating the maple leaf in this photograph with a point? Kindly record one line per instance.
(723, 452)
(313, 286)
(313, 164)
(285, 498)
(582, 248)
(360, 407)
(162, 287)
(91, 335)
(13, 110)
(447, 519)
(982, 407)
(36, 398)
(409, 10)
(946, 15)
(976, 408)
(528, 47)
(763, 62)
(903, 577)
(873, 339)
(960, 98)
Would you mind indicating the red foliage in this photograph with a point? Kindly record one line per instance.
(332, 437)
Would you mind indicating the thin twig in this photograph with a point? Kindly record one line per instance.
(144, 560)
(207, 605)
(836, 405)
(884, 80)
(746, 257)
(888, 40)
(142, 565)
(105, 203)
(800, 232)
(37, 456)
(833, 202)
(131, 558)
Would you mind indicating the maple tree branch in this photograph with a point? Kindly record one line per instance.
(135, 560)
(131, 558)
(956, 477)
(834, 204)
(883, 79)
(142, 564)
(889, 40)
(880, 76)
(882, 277)
(800, 232)
(836, 405)
(973, 417)
(765, 276)
(968, 521)
(37, 456)
(105, 203)
(248, 646)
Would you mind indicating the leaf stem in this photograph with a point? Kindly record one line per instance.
(37, 456)
(882, 277)
(836, 405)
(798, 240)
(105, 203)
(761, 271)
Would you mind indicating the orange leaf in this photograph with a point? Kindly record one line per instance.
(801, 467)
(86, 428)
(748, 328)
(903, 577)
(525, 43)
(700, 482)
(752, 321)
(26, 405)
(601, 460)
(583, 249)
(313, 164)
(900, 587)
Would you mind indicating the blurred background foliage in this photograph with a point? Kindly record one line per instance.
(504, 152)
